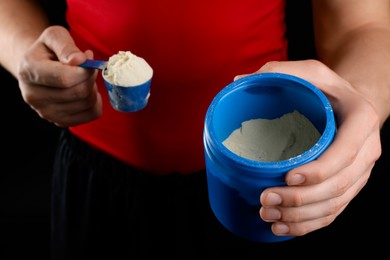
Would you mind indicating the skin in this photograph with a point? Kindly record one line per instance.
(352, 38)
(43, 60)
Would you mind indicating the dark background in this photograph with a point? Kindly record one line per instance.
(27, 150)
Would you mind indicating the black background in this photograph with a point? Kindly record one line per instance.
(28, 142)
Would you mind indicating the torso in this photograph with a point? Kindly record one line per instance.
(195, 50)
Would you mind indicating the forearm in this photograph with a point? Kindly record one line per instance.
(22, 21)
(353, 38)
(362, 58)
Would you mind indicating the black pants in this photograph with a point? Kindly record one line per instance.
(104, 208)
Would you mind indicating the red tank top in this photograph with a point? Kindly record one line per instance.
(195, 48)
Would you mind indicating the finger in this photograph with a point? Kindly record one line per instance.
(42, 93)
(73, 113)
(284, 228)
(240, 76)
(54, 74)
(310, 70)
(51, 61)
(82, 115)
(88, 54)
(297, 221)
(347, 144)
(337, 185)
(351, 116)
(300, 229)
(320, 209)
(59, 41)
(302, 220)
(345, 148)
(297, 196)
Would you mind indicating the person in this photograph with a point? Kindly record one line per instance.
(133, 184)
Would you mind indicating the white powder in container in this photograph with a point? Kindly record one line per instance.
(271, 140)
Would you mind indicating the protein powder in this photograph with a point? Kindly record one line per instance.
(271, 140)
(127, 70)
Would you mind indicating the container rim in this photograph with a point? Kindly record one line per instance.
(318, 148)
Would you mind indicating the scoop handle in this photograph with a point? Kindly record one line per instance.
(94, 64)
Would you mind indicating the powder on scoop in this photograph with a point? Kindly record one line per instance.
(126, 69)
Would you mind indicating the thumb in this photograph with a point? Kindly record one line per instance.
(60, 42)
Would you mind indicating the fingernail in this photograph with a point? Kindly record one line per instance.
(280, 228)
(296, 179)
(271, 213)
(273, 199)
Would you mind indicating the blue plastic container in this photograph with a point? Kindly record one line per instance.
(235, 183)
(128, 98)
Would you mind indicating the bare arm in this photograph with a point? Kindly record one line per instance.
(42, 58)
(22, 21)
(358, 48)
(353, 47)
